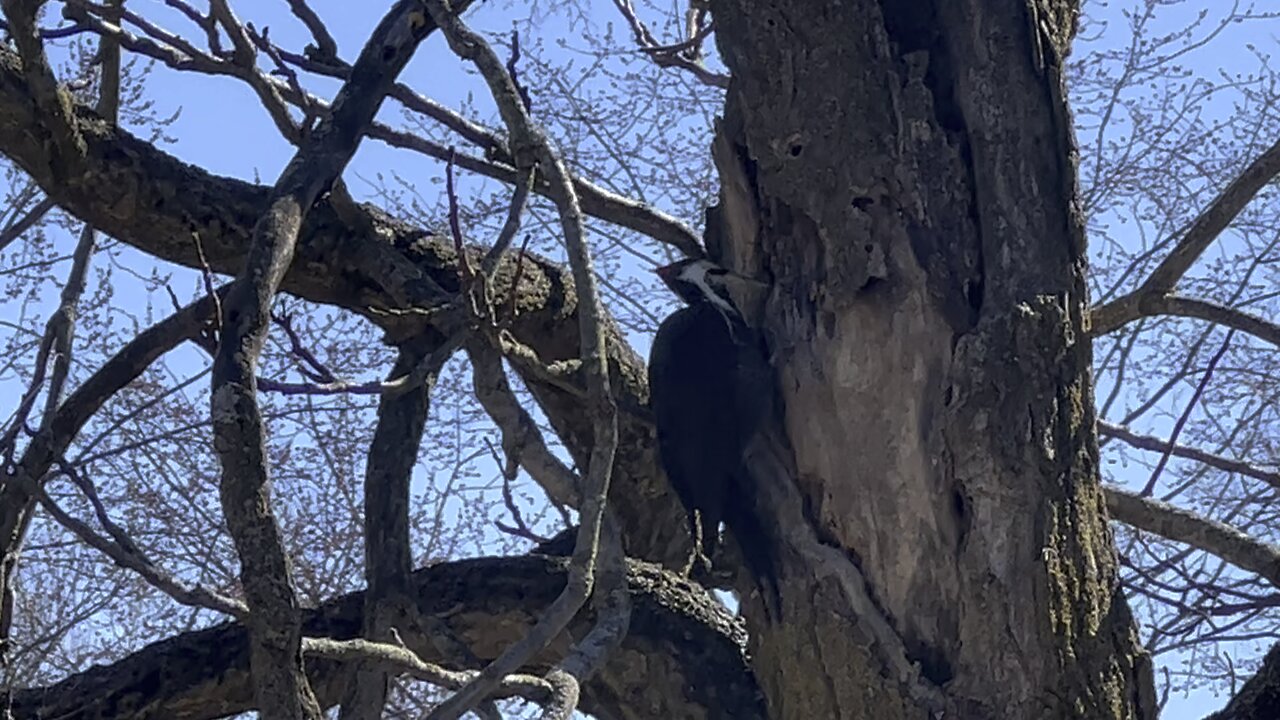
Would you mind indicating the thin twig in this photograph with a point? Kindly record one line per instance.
(671, 55)
(1154, 444)
(529, 142)
(512, 64)
(510, 471)
(26, 222)
(207, 23)
(310, 366)
(511, 226)
(126, 554)
(1186, 414)
(455, 225)
(1195, 240)
(1216, 538)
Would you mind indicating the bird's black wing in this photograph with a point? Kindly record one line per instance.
(693, 386)
(756, 403)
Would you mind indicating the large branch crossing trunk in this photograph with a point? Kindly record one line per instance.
(902, 175)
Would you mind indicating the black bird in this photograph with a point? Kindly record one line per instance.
(710, 385)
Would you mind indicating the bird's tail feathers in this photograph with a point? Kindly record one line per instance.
(756, 547)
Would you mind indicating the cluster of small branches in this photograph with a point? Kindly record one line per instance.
(1178, 157)
(1174, 160)
(238, 331)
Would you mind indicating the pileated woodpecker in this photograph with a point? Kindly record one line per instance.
(710, 385)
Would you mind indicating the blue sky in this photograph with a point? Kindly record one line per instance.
(223, 128)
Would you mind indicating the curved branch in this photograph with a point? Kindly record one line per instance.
(59, 127)
(161, 206)
(1209, 225)
(51, 442)
(1221, 314)
(598, 544)
(684, 656)
(1115, 315)
(596, 200)
(1155, 444)
(1203, 231)
(1215, 538)
(239, 432)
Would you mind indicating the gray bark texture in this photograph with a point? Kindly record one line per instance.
(901, 178)
(684, 658)
(902, 175)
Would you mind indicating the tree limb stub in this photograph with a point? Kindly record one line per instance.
(684, 656)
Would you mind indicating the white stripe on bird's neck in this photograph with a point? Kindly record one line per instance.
(697, 274)
(716, 298)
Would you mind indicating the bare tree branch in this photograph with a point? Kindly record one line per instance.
(387, 266)
(388, 558)
(23, 478)
(1220, 539)
(530, 145)
(1181, 422)
(239, 433)
(244, 57)
(596, 201)
(1215, 218)
(1203, 231)
(1178, 306)
(1260, 696)
(130, 559)
(674, 55)
(684, 657)
(391, 659)
(26, 222)
(326, 46)
(1154, 444)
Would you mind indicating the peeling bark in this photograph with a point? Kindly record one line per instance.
(903, 176)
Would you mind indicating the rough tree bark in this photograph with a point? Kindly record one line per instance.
(684, 656)
(903, 177)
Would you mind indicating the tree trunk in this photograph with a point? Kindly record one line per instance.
(902, 176)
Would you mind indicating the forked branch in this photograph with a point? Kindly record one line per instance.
(1155, 295)
(239, 433)
(530, 147)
